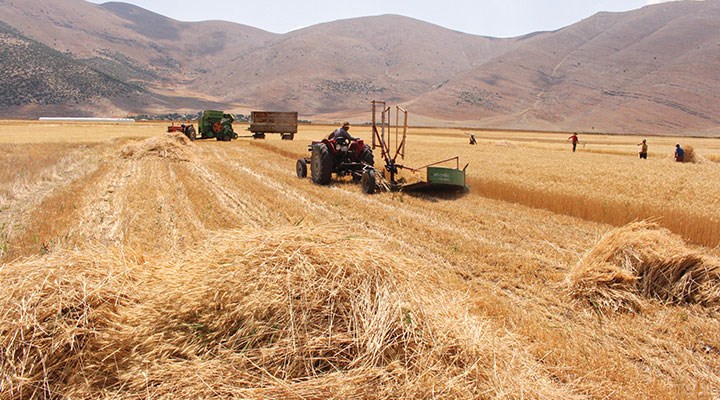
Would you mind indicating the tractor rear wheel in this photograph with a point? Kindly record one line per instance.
(366, 155)
(368, 181)
(321, 164)
(226, 138)
(301, 168)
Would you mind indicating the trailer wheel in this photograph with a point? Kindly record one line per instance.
(368, 182)
(321, 164)
(366, 155)
(301, 168)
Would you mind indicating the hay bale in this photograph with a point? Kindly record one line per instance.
(690, 156)
(171, 146)
(643, 260)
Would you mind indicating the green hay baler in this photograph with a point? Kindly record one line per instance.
(216, 124)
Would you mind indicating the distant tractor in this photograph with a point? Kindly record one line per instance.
(215, 124)
(187, 130)
(284, 123)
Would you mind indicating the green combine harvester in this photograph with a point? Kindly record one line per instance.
(216, 124)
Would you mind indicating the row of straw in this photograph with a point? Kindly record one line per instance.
(301, 312)
(644, 261)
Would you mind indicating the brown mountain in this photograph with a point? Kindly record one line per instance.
(343, 65)
(128, 44)
(154, 44)
(32, 73)
(653, 70)
(326, 68)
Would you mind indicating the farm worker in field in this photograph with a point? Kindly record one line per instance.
(342, 132)
(679, 153)
(472, 139)
(643, 149)
(575, 140)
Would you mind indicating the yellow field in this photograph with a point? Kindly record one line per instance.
(210, 270)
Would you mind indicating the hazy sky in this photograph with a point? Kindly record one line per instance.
(500, 18)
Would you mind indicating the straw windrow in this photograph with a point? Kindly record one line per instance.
(172, 146)
(642, 260)
(285, 313)
(53, 308)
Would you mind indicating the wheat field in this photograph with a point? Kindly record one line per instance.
(137, 264)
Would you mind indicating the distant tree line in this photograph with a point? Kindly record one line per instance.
(179, 117)
(192, 117)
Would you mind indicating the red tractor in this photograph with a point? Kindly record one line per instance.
(187, 130)
(336, 156)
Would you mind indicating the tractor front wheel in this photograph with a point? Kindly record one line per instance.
(301, 168)
(368, 181)
(321, 163)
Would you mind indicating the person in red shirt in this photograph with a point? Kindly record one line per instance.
(575, 140)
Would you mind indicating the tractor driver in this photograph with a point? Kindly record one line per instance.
(342, 133)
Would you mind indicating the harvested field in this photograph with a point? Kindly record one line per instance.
(137, 265)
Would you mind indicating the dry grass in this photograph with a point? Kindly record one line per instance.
(642, 260)
(269, 314)
(37, 187)
(248, 282)
(713, 157)
(13, 132)
(28, 164)
(52, 310)
(173, 146)
(596, 183)
(694, 224)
